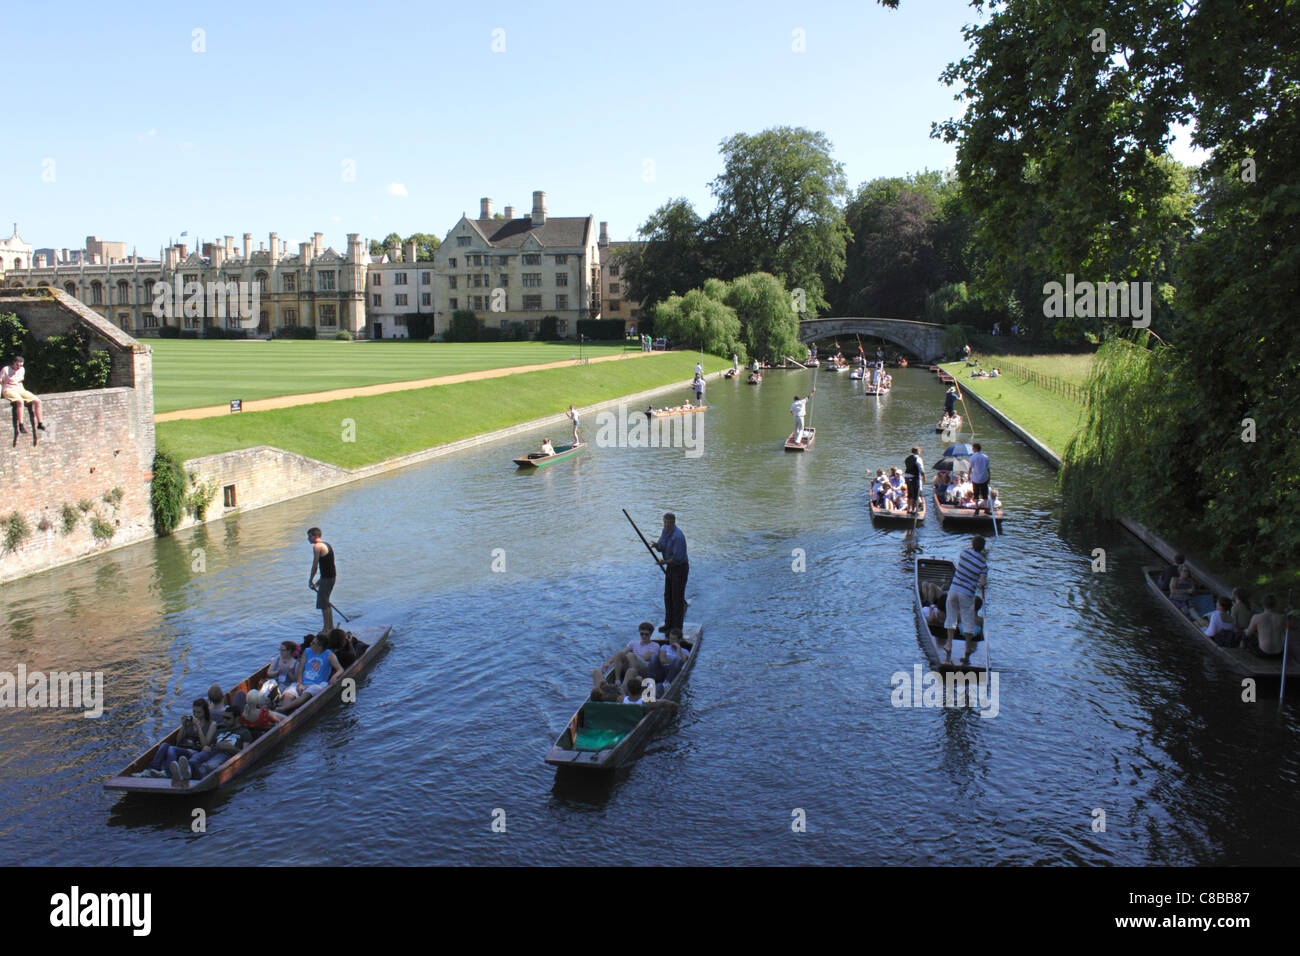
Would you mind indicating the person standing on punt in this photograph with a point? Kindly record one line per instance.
(950, 401)
(797, 409)
(979, 477)
(573, 416)
(972, 572)
(914, 471)
(672, 545)
(322, 559)
(698, 385)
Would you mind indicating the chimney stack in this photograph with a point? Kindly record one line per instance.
(228, 243)
(485, 208)
(510, 212)
(539, 208)
(304, 253)
(275, 247)
(95, 258)
(317, 243)
(409, 252)
(63, 255)
(354, 246)
(604, 234)
(248, 245)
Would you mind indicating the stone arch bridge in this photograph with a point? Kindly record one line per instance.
(922, 339)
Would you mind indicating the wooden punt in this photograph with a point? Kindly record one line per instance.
(621, 738)
(957, 516)
(263, 745)
(792, 445)
(755, 378)
(946, 378)
(857, 373)
(869, 389)
(956, 427)
(669, 412)
(1237, 659)
(885, 516)
(940, 572)
(537, 460)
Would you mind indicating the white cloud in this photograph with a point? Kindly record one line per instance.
(336, 218)
(396, 189)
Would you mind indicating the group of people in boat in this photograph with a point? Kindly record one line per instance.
(215, 731)
(548, 449)
(889, 491)
(1233, 622)
(642, 669)
(958, 491)
(950, 423)
(685, 406)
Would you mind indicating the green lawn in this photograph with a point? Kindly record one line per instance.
(1069, 368)
(1049, 417)
(400, 423)
(192, 373)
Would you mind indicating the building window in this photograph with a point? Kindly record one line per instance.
(614, 305)
(69, 288)
(561, 260)
(259, 280)
(124, 320)
(532, 280)
(328, 315)
(613, 270)
(96, 293)
(228, 496)
(505, 281)
(613, 288)
(399, 320)
(478, 303)
(451, 263)
(503, 260)
(123, 292)
(532, 303)
(474, 260)
(451, 280)
(561, 301)
(426, 298)
(454, 303)
(149, 320)
(378, 301)
(477, 281)
(376, 279)
(326, 281)
(533, 259)
(425, 278)
(399, 278)
(148, 291)
(399, 299)
(561, 279)
(290, 283)
(462, 240)
(290, 317)
(562, 326)
(232, 322)
(504, 323)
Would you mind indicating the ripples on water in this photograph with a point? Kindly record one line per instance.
(1102, 705)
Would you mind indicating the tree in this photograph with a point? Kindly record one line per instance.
(380, 247)
(672, 258)
(701, 321)
(778, 209)
(769, 322)
(426, 244)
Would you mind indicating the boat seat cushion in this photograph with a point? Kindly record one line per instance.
(1202, 604)
(605, 724)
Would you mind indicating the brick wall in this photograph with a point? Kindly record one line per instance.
(261, 476)
(95, 442)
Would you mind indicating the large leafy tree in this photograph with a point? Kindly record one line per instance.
(700, 320)
(672, 257)
(766, 310)
(779, 198)
(426, 244)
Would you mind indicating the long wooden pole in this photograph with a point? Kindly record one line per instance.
(1286, 648)
(662, 565)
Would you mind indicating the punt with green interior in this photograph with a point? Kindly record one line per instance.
(538, 460)
(604, 736)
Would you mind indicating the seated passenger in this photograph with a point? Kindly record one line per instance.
(935, 612)
(1241, 611)
(941, 486)
(1219, 629)
(216, 702)
(668, 664)
(1182, 587)
(231, 738)
(1265, 637)
(317, 667)
(1170, 572)
(341, 644)
(547, 448)
(636, 656)
(197, 732)
(256, 717)
(279, 674)
(605, 691)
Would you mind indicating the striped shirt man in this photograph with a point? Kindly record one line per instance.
(972, 571)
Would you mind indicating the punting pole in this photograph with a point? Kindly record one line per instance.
(988, 658)
(1286, 648)
(645, 542)
(346, 619)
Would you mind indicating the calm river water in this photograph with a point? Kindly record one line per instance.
(1102, 705)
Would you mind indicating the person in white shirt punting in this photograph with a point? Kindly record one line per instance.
(797, 409)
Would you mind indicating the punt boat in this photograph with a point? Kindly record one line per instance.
(885, 516)
(537, 460)
(263, 745)
(604, 736)
(956, 516)
(792, 445)
(1193, 623)
(669, 412)
(955, 426)
(940, 572)
(869, 389)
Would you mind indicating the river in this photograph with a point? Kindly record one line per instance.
(505, 589)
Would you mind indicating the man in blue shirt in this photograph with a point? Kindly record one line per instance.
(979, 477)
(672, 545)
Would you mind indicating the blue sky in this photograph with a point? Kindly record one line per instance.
(612, 108)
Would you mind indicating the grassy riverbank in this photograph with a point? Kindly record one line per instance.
(191, 373)
(1051, 418)
(399, 423)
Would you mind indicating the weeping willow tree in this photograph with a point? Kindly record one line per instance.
(1117, 462)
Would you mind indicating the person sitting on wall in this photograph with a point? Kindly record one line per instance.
(12, 390)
